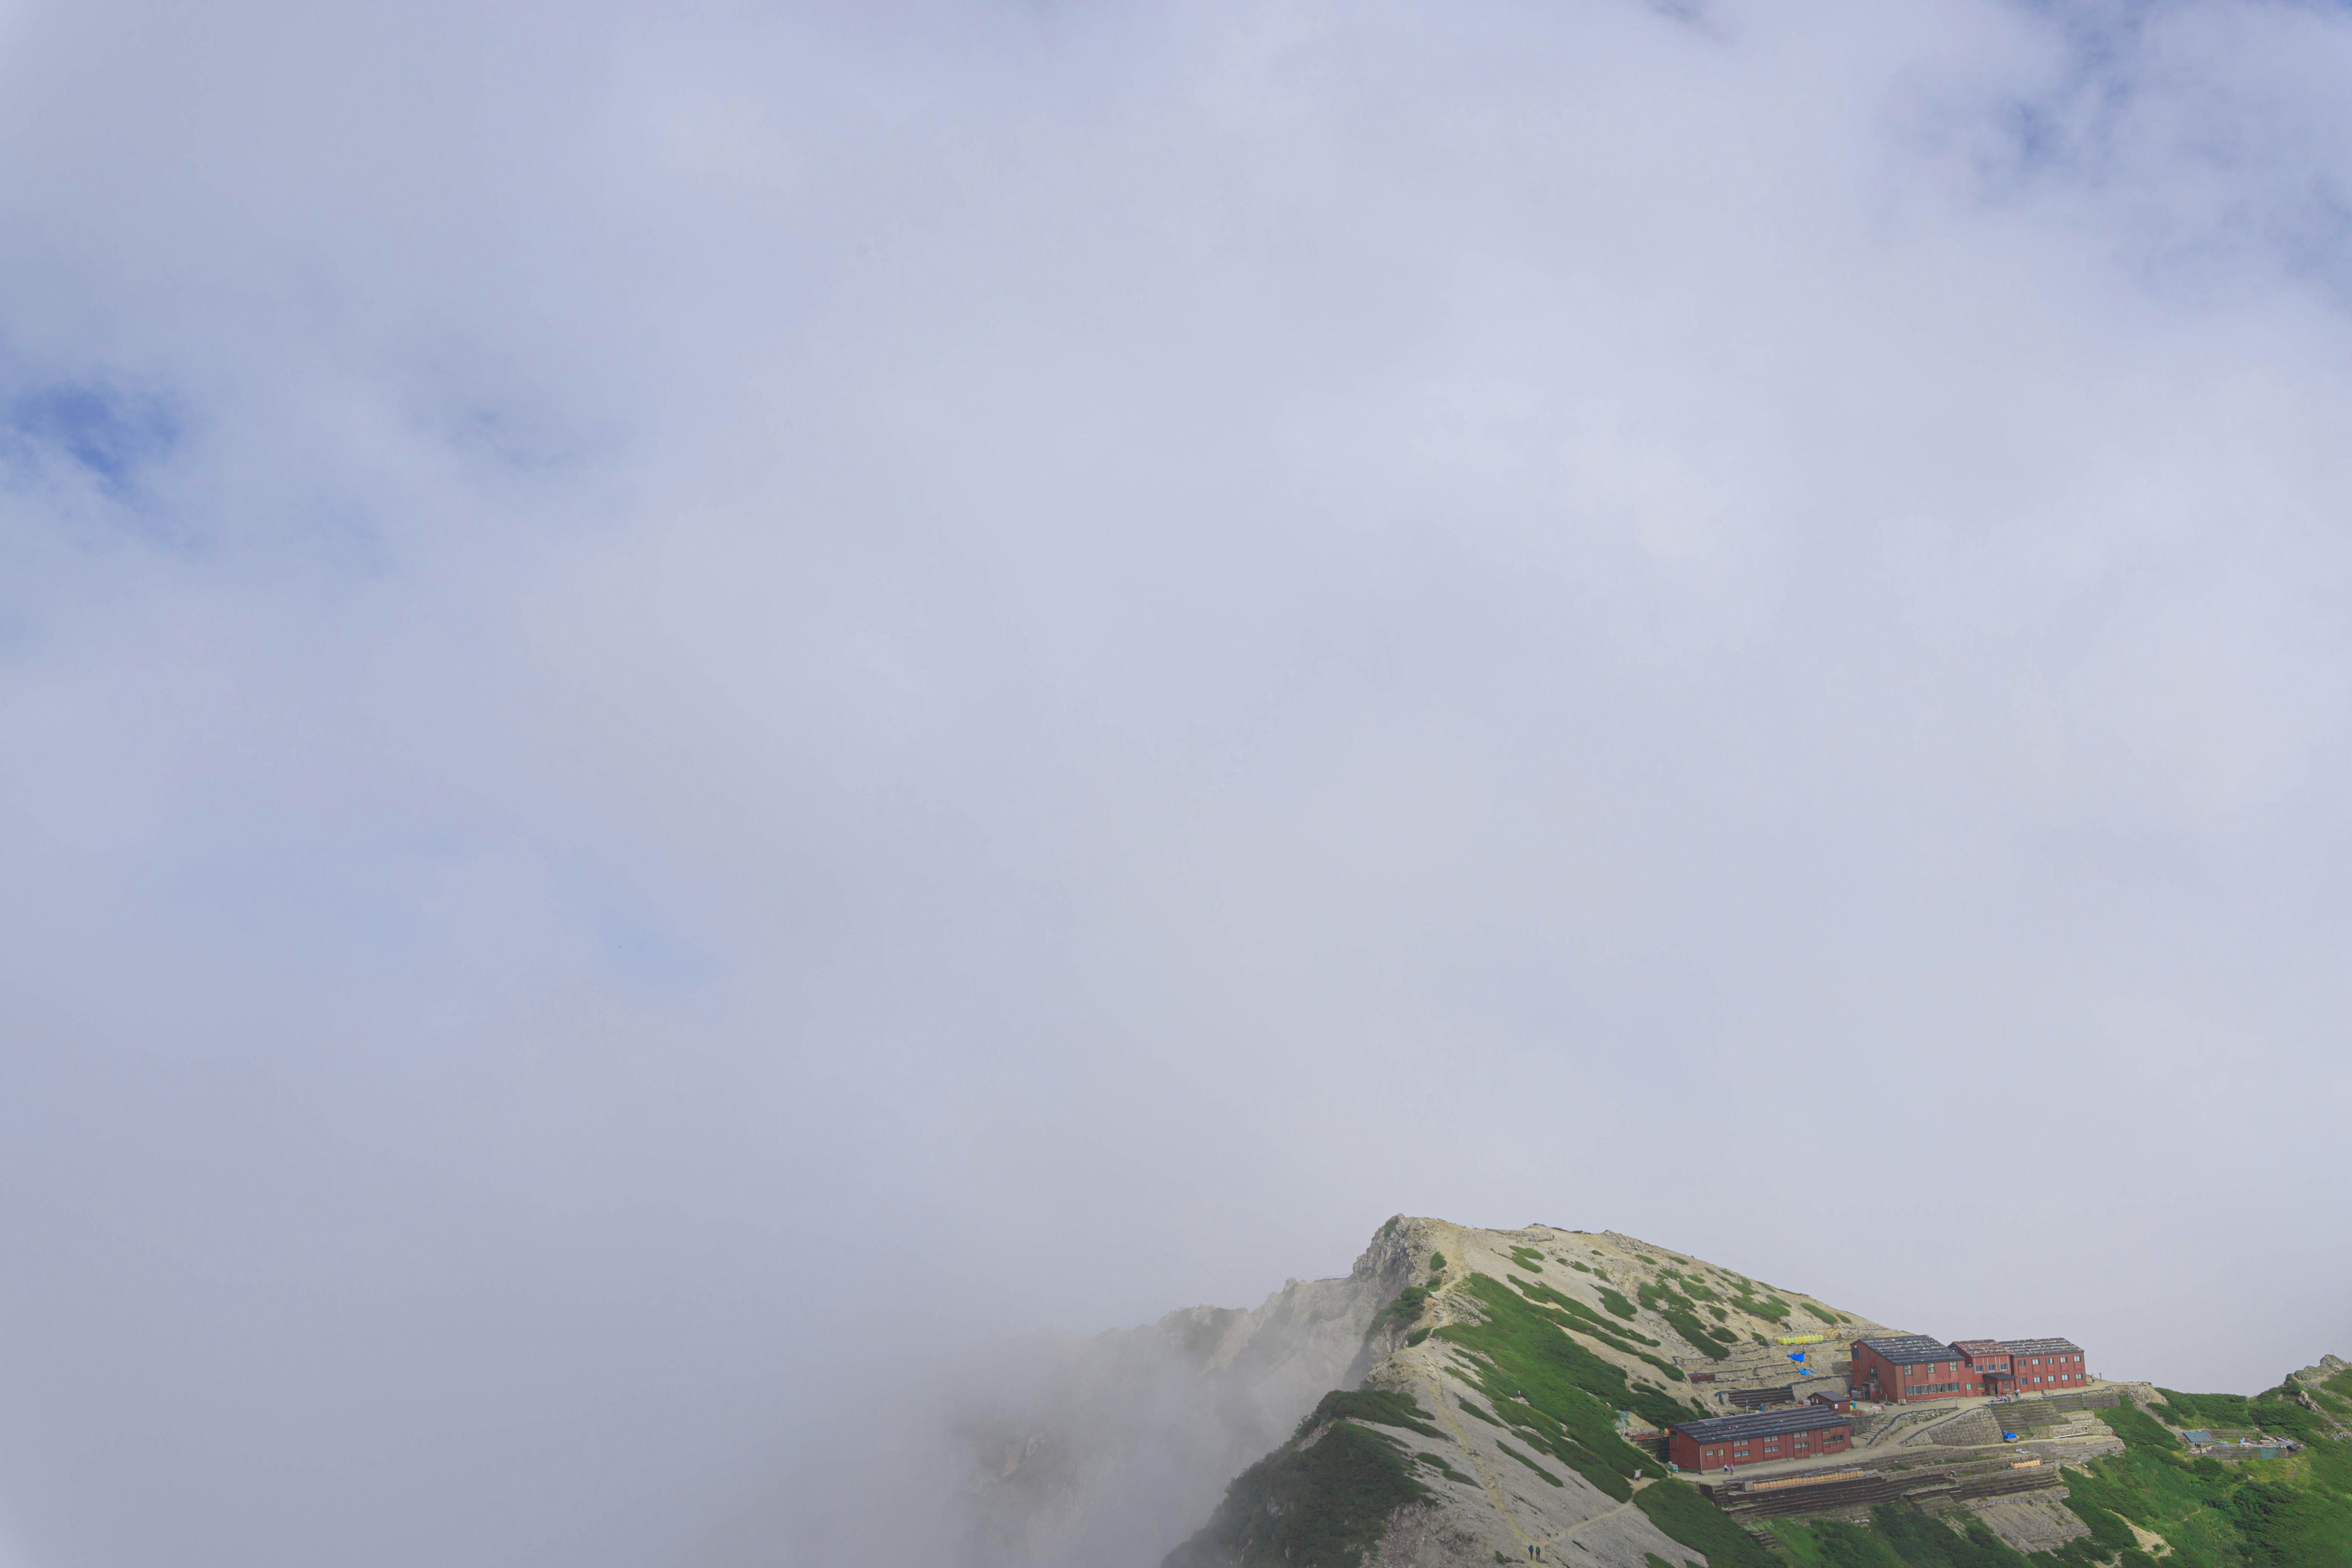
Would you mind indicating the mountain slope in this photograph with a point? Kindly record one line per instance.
(1492, 1418)
(2158, 1500)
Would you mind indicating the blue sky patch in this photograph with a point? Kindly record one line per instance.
(112, 436)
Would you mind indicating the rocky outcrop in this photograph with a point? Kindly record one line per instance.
(2330, 1366)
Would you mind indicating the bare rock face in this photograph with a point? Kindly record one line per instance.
(2330, 1366)
(2039, 1522)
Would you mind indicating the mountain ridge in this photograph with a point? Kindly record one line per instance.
(1521, 1363)
(1467, 1395)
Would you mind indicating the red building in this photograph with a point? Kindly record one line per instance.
(1902, 1369)
(1796, 1432)
(2043, 1366)
(1988, 1361)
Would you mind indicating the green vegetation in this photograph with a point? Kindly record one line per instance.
(1437, 1462)
(2137, 1428)
(1404, 1309)
(1436, 1261)
(2289, 1512)
(1528, 1258)
(1322, 1505)
(1557, 1394)
(2205, 1409)
(1617, 1303)
(1682, 1313)
(1686, 1518)
(1530, 1463)
(1580, 1269)
(1897, 1536)
(1570, 1313)
(1720, 1315)
(1415, 1336)
(1470, 1408)
(1771, 1307)
(1585, 1316)
(1379, 1406)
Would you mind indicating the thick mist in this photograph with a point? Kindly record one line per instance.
(708, 711)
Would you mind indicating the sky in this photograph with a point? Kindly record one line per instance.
(702, 705)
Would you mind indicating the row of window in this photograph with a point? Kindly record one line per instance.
(1739, 1448)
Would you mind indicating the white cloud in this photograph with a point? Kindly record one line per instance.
(695, 695)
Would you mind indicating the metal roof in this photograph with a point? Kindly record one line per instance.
(1905, 1349)
(1764, 1423)
(1977, 1347)
(2042, 1347)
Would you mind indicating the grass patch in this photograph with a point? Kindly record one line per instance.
(1580, 1269)
(1530, 1463)
(1528, 1258)
(1437, 1462)
(1571, 1314)
(1470, 1408)
(1681, 1313)
(1770, 1307)
(1436, 1261)
(1322, 1505)
(2138, 1429)
(2292, 1526)
(2205, 1409)
(1687, 1518)
(1691, 1328)
(2289, 1513)
(1382, 1407)
(1404, 1309)
(1558, 1395)
(1616, 1303)
(1897, 1536)
(1583, 1314)
(2274, 1412)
